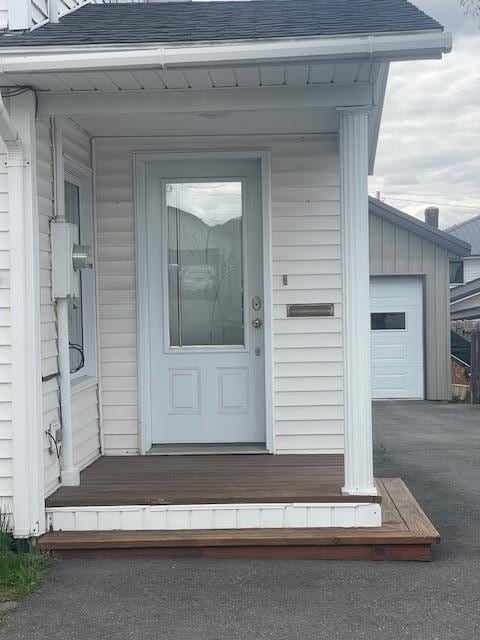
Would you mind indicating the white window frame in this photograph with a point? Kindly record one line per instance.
(82, 178)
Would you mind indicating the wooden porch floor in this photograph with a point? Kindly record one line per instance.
(406, 534)
(214, 479)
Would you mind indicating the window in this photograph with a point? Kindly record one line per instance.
(205, 263)
(388, 321)
(81, 310)
(456, 272)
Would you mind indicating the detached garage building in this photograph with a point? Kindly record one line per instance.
(410, 314)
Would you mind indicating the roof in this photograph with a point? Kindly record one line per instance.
(414, 225)
(230, 20)
(468, 231)
(465, 290)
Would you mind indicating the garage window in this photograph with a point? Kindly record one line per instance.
(456, 272)
(388, 321)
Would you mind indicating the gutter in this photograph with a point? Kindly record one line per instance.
(379, 48)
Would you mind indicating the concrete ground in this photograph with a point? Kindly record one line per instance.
(434, 447)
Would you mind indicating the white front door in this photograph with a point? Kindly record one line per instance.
(397, 337)
(205, 300)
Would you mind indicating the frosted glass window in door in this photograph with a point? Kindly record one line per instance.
(205, 265)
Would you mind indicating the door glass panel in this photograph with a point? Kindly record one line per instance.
(392, 321)
(205, 264)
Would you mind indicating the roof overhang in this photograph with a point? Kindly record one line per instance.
(21, 65)
(454, 245)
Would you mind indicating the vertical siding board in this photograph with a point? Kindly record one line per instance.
(388, 247)
(305, 178)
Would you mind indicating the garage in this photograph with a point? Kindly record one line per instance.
(410, 298)
(397, 337)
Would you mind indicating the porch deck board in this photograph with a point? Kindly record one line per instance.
(215, 479)
(406, 534)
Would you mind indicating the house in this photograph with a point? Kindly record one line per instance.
(465, 301)
(468, 269)
(185, 270)
(409, 289)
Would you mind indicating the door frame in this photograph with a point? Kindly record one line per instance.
(422, 277)
(140, 162)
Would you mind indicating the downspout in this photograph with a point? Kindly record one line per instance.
(27, 498)
(70, 475)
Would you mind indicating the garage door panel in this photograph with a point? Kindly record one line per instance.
(397, 355)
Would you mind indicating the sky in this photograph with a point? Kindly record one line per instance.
(429, 145)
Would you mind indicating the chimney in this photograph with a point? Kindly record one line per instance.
(431, 216)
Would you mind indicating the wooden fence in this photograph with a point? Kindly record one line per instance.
(470, 330)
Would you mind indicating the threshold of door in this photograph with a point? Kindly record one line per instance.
(207, 449)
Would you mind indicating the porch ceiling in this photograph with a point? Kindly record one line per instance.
(198, 78)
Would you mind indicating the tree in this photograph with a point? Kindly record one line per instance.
(471, 6)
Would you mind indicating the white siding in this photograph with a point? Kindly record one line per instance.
(51, 413)
(6, 482)
(471, 269)
(86, 436)
(3, 14)
(308, 356)
(84, 402)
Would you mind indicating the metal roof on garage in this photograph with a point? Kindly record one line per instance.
(453, 244)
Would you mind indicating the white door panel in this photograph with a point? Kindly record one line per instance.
(397, 337)
(204, 257)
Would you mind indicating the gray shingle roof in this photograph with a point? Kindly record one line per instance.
(454, 245)
(171, 22)
(468, 231)
(465, 290)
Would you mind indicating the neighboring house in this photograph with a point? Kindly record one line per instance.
(409, 265)
(214, 156)
(468, 269)
(465, 301)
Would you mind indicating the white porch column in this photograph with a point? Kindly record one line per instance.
(28, 485)
(356, 301)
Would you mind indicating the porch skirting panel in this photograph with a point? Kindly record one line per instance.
(213, 516)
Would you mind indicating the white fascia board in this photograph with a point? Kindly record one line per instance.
(376, 115)
(378, 48)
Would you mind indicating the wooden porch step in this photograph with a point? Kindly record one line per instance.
(406, 534)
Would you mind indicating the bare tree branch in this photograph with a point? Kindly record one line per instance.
(471, 6)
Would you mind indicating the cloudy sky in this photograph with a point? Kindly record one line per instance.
(429, 147)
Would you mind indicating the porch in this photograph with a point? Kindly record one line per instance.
(232, 506)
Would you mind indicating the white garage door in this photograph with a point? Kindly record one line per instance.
(397, 337)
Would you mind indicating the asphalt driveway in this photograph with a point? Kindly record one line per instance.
(434, 447)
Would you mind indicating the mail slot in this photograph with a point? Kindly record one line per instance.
(310, 310)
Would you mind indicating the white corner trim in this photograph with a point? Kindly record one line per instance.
(214, 516)
(19, 134)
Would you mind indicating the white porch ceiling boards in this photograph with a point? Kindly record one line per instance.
(199, 78)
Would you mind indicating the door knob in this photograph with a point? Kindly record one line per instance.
(257, 323)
